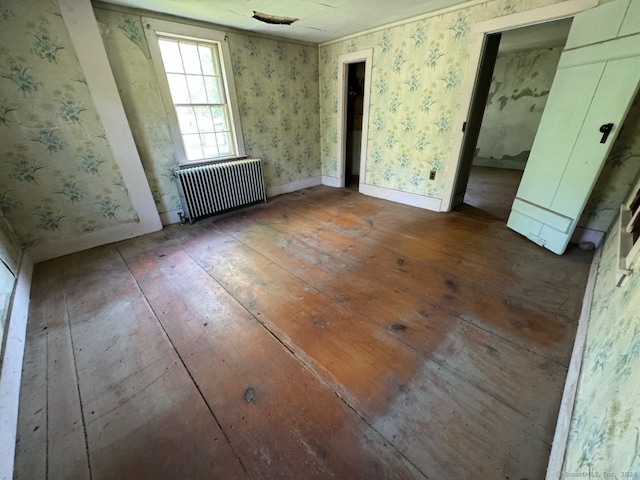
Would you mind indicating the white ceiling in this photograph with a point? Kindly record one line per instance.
(319, 20)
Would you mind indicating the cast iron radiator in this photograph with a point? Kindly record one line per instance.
(218, 187)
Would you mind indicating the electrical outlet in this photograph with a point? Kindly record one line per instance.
(432, 175)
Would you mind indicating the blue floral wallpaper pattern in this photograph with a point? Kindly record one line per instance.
(58, 178)
(417, 77)
(605, 428)
(277, 89)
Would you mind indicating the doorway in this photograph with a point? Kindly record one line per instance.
(353, 124)
(513, 84)
(353, 117)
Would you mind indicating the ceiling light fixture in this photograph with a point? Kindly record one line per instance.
(273, 19)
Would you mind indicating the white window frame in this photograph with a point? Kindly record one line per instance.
(155, 27)
(628, 249)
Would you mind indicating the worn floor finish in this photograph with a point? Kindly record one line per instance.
(324, 335)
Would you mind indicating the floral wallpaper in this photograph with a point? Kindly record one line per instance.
(417, 77)
(605, 428)
(277, 89)
(58, 178)
(618, 175)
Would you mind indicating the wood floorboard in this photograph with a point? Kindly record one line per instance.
(349, 350)
(324, 335)
(274, 410)
(466, 349)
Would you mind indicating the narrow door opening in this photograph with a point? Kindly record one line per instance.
(353, 124)
(511, 90)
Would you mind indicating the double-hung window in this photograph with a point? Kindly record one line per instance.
(193, 69)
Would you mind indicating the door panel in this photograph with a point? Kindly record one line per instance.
(585, 162)
(558, 131)
(594, 85)
(597, 25)
(631, 23)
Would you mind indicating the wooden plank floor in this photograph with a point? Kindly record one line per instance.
(324, 335)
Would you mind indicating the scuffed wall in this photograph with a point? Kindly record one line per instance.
(518, 94)
(58, 178)
(277, 88)
(605, 428)
(417, 77)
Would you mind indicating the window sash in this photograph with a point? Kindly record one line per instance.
(220, 135)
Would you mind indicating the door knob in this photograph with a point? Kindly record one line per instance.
(605, 130)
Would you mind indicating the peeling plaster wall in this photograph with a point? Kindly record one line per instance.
(58, 177)
(277, 88)
(518, 94)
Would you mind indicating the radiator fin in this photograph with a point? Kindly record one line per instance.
(218, 187)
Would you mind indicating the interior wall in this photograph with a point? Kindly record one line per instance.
(277, 88)
(417, 80)
(605, 427)
(58, 177)
(518, 94)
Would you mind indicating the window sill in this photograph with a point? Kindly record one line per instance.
(200, 163)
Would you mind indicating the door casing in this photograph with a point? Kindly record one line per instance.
(344, 61)
(480, 31)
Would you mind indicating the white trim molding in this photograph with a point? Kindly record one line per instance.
(535, 16)
(582, 234)
(412, 199)
(344, 61)
(563, 425)
(59, 248)
(81, 23)
(293, 186)
(330, 181)
(171, 217)
(11, 373)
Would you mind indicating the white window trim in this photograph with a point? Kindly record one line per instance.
(152, 27)
(628, 251)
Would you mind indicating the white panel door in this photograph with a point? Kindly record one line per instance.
(597, 79)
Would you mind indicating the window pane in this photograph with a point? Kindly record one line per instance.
(178, 87)
(224, 143)
(220, 122)
(192, 147)
(209, 60)
(205, 123)
(190, 58)
(209, 145)
(215, 92)
(196, 89)
(187, 120)
(171, 56)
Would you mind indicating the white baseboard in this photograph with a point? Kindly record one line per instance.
(330, 181)
(59, 248)
(293, 186)
(582, 234)
(11, 373)
(428, 203)
(561, 436)
(170, 217)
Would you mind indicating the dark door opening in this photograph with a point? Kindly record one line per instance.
(513, 82)
(353, 124)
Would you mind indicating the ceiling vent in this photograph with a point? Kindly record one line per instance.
(273, 19)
